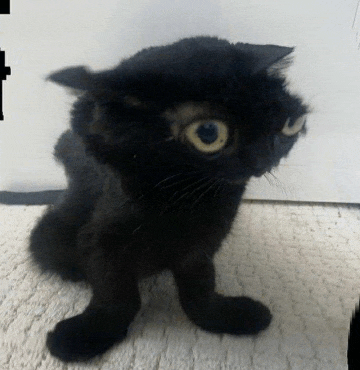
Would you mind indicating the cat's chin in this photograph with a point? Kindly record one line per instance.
(239, 181)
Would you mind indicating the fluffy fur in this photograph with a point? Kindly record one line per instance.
(157, 158)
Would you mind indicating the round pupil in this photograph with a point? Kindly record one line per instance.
(208, 132)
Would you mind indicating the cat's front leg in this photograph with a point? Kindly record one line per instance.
(195, 278)
(105, 321)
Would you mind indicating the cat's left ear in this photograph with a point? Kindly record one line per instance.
(265, 56)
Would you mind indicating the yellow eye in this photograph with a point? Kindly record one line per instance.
(207, 136)
(295, 127)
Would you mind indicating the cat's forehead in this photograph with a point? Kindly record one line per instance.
(188, 112)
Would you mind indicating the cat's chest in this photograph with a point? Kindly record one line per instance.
(159, 231)
(159, 243)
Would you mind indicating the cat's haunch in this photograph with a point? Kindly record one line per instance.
(157, 158)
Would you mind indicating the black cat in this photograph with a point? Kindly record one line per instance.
(157, 159)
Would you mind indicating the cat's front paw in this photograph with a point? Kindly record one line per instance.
(252, 316)
(230, 315)
(80, 338)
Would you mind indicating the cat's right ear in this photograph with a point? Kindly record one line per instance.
(78, 78)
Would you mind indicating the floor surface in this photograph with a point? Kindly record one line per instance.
(302, 260)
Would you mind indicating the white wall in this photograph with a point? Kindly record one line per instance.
(41, 36)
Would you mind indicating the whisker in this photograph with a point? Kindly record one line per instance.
(189, 175)
(184, 189)
(277, 182)
(189, 194)
(167, 179)
(267, 179)
(221, 183)
(205, 192)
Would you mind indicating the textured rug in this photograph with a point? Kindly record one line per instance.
(302, 260)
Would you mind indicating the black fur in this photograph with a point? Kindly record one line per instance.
(143, 197)
(353, 355)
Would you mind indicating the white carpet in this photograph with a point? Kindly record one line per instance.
(301, 260)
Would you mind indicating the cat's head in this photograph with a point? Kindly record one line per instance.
(201, 105)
